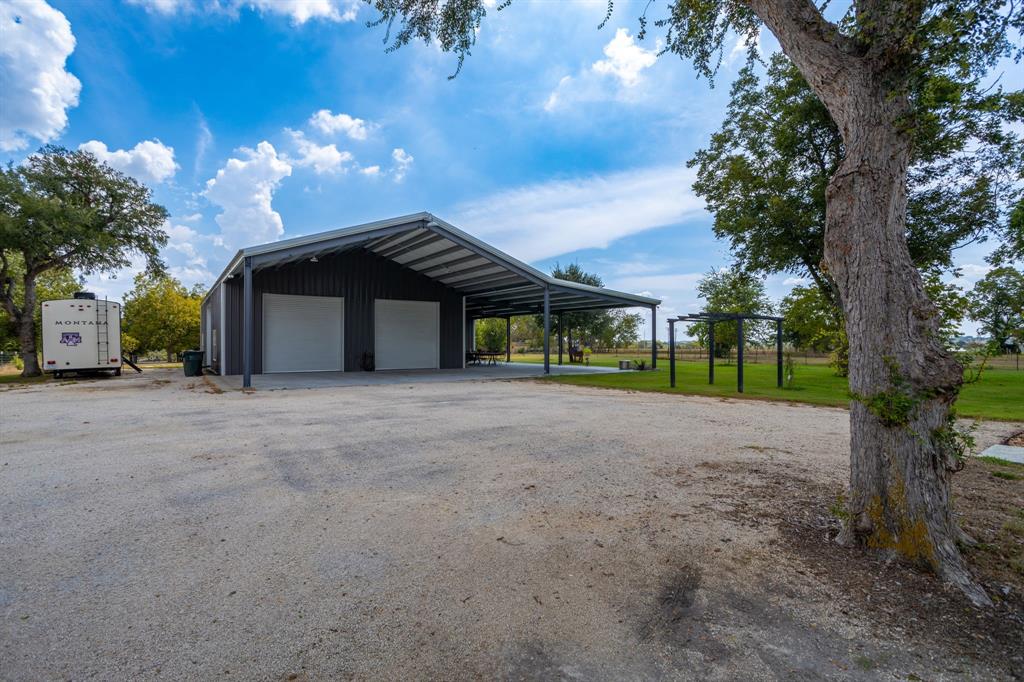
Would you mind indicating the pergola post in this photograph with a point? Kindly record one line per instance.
(739, 355)
(672, 353)
(654, 337)
(508, 339)
(561, 331)
(778, 350)
(247, 323)
(547, 330)
(711, 352)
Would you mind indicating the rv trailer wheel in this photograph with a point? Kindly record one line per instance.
(117, 372)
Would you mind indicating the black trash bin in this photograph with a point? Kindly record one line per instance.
(192, 362)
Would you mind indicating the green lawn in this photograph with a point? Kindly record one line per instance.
(998, 395)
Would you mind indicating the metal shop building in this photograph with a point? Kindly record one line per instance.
(395, 294)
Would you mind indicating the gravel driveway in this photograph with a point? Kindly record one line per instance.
(153, 528)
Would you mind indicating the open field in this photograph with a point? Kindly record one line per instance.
(999, 394)
(155, 528)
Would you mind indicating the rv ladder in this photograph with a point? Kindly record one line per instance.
(102, 334)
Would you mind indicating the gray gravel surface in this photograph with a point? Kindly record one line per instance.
(154, 528)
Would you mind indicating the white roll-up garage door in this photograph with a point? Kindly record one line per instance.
(406, 334)
(303, 333)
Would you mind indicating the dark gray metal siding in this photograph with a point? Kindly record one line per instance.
(360, 278)
(212, 306)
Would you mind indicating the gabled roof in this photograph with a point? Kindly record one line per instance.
(493, 282)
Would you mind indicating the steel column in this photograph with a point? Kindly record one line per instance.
(247, 324)
(672, 353)
(778, 350)
(654, 337)
(547, 331)
(711, 352)
(739, 355)
(561, 331)
(508, 339)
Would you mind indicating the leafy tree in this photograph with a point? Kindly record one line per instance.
(50, 285)
(161, 314)
(490, 334)
(812, 321)
(588, 327)
(997, 304)
(64, 210)
(951, 303)
(765, 173)
(890, 73)
(527, 332)
(626, 330)
(733, 291)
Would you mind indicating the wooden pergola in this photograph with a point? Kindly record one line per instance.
(711, 319)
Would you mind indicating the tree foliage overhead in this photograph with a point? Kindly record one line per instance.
(764, 174)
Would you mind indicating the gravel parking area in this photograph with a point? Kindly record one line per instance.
(154, 527)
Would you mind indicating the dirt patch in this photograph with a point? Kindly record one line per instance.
(1016, 439)
(897, 601)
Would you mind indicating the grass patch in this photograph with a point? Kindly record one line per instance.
(1007, 476)
(18, 379)
(999, 394)
(1000, 462)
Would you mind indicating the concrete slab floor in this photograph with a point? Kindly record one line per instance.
(502, 370)
(1011, 453)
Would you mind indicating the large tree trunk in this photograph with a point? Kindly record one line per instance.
(904, 383)
(27, 331)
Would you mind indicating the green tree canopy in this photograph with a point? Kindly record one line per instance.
(490, 334)
(161, 314)
(812, 321)
(765, 172)
(997, 304)
(733, 290)
(65, 210)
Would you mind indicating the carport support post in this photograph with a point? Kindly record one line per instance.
(711, 351)
(508, 339)
(654, 337)
(561, 330)
(739, 355)
(778, 350)
(247, 332)
(547, 330)
(672, 353)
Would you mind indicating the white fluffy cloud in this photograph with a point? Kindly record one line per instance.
(244, 189)
(625, 59)
(332, 124)
(37, 90)
(371, 171)
(615, 77)
(402, 160)
(149, 161)
(559, 217)
(322, 158)
(299, 11)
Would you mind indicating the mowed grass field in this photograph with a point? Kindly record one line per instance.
(999, 394)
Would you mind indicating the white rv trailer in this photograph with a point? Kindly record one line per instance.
(81, 334)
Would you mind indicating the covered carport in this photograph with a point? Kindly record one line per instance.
(405, 290)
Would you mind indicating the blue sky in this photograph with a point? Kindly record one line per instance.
(262, 119)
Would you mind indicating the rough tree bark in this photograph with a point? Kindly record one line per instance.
(903, 380)
(27, 330)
